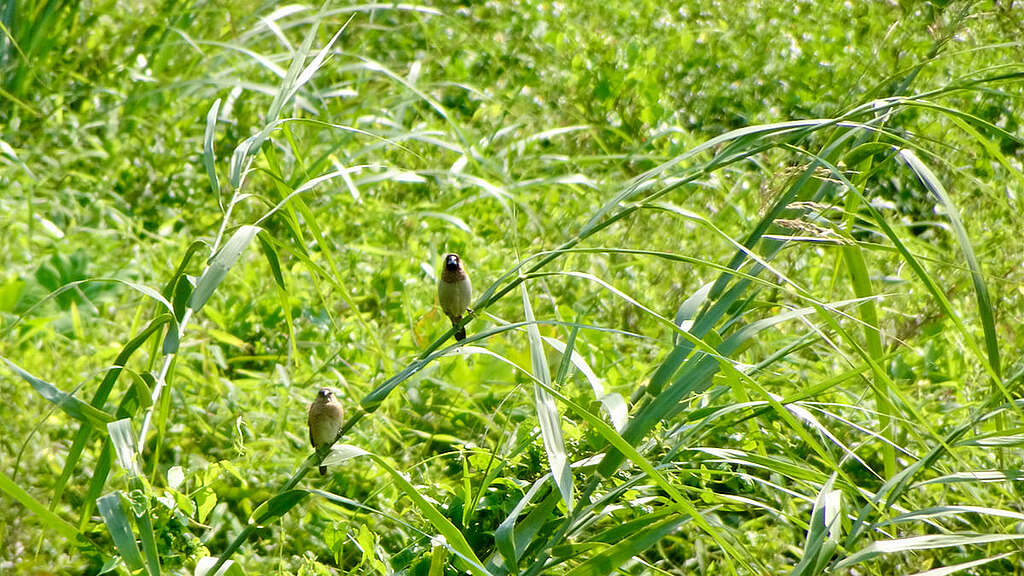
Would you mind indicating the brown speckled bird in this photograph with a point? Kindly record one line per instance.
(454, 292)
(325, 420)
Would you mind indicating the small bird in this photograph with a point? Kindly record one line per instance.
(454, 292)
(325, 420)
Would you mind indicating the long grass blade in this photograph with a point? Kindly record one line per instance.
(916, 543)
(220, 264)
(69, 404)
(610, 560)
(50, 520)
(547, 412)
(120, 528)
(985, 311)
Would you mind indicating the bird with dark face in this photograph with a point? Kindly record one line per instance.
(324, 420)
(454, 292)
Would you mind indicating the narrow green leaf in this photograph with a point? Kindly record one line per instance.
(285, 91)
(617, 532)
(623, 447)
(914, 543)
(172, 282)
(860, 277)
(69, 404)
(171, 341)
(277, 506)
(120, 528)
(947, 570)
(100, 398)
(612, 402)
(934, 185)
(547, 412)
(950, 511)
(611, 559)
(505, 535)
(318, 60)
(209, 155)
(688, 310)
(50, 520)
(976, 476)
(693, 377)
(823, 533)
(567, 352)
(273, 260)
(99, 478)
(181, 297)
(452, 535)
(149, 546)
(220, 264)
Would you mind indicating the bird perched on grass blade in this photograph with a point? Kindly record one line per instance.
(325, 420)
(454, 292)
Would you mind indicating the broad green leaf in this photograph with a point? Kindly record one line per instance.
(220, 264)
(123, 439)
(340, 453)
(206, 500)
(120, 528)
(277, 506)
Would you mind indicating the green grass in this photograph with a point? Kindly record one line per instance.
(748, 288)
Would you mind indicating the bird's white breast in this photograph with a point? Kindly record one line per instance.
(455, 297)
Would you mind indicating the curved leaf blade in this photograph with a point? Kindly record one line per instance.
(220, 264)
(547, 412)
(69, 404)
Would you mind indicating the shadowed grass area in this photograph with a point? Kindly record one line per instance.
(747, 288)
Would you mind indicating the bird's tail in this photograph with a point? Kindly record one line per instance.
(460, 333)
(323, 470)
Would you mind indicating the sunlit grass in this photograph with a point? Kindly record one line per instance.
(718, 328)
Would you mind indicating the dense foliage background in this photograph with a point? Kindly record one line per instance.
(749, 278)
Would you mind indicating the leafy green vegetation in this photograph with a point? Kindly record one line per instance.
(747, 275)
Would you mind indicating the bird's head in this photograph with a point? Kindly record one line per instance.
(325, 394)
(451, 262)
